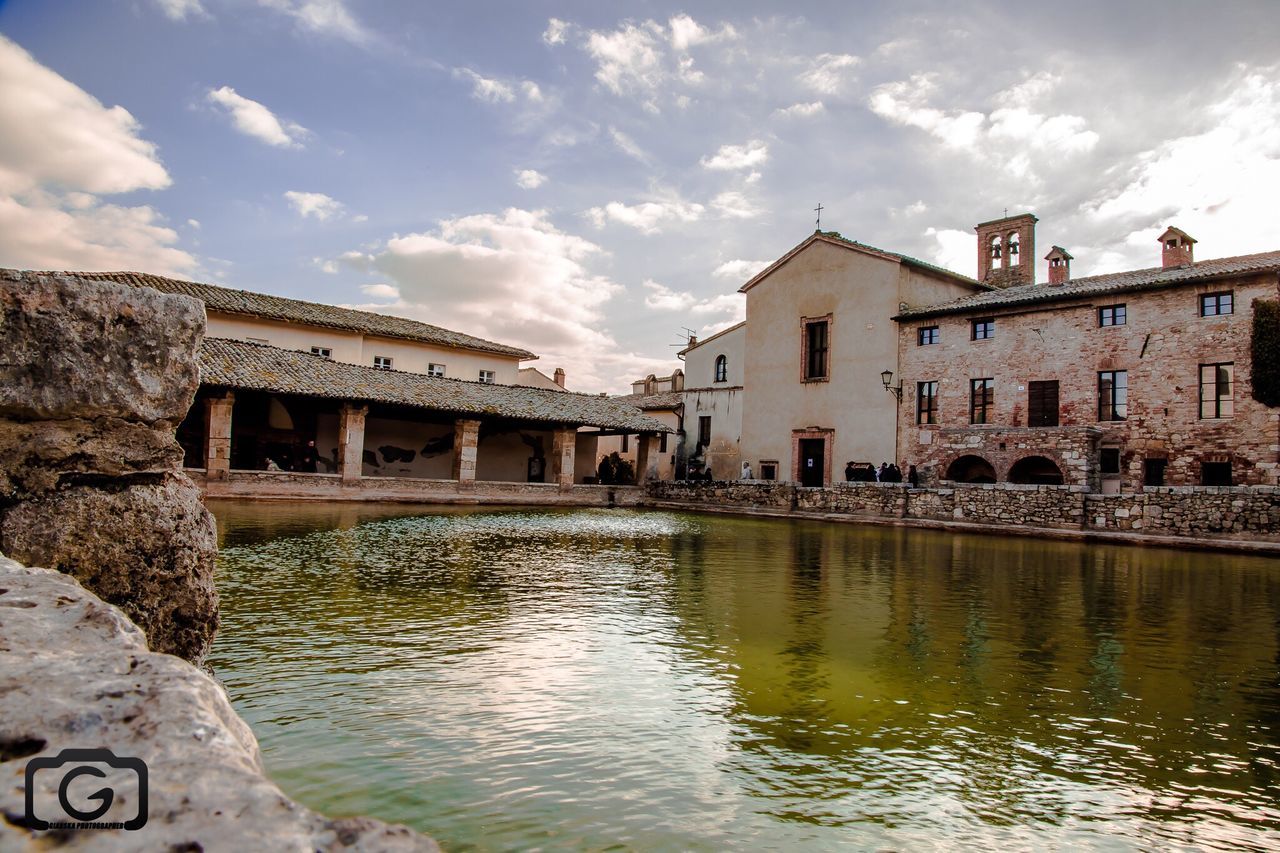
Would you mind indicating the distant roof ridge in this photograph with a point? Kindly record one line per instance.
(313, 313)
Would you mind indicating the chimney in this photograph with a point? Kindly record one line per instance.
(559, 376)
(1007, 250)
(1176, 248)
(1059, 265)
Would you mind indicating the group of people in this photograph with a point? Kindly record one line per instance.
(888, 472)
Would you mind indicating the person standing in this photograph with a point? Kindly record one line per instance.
(913, 476)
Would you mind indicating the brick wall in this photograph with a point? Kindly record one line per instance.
(1161, 346)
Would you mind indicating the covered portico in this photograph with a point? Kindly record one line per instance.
(276, 422)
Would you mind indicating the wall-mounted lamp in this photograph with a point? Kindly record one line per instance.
(886, 376)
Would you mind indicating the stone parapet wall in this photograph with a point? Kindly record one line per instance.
(1240, 512)
(75, 673)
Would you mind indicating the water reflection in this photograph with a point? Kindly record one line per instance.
(526, 678)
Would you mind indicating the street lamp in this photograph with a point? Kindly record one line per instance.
(886, 376)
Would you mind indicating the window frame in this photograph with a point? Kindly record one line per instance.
(806, 325)
(1113, 400)
(704, 430)
(1218, 399)
(988, 326)
(1119, 315)
(927, 404)
(436, 370)
(383, 362)
(721, 369)
(323, 352)
(488, 377)
(987, 385)
(1218, 297)
(932, 333)
(768, 469)
(1043, 385)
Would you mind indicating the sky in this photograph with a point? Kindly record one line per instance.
(588, 184)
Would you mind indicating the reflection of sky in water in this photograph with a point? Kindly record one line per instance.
(579, 679)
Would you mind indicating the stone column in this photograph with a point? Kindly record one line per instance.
(217, 436)
(351, 441)
(466, 440)
(646, 454)
(564, 446)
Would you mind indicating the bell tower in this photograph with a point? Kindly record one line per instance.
(1007, 250)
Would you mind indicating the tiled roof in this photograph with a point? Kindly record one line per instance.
(835, 238)
(257, 367)
(652, 402)
(1148, 279)
(280, 308)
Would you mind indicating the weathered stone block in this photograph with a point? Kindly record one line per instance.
(37, 457)
(71, 348)
(148, 548)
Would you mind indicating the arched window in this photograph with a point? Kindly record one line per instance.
(1012, 245)
(722, 369)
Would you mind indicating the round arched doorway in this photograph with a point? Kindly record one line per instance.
(1039, 470)
(971, 469)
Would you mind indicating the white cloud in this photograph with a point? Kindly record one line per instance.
(530, 179)
(61, 149)
(325, 265)
(511, 277)
(325, 17)
(955, 250)
(380, 291)
(745, 156)
(253, 119)
(556, 31)
(319, 205)
(662, 298)
(628, 59)
(914, 209)
(830, 72)
(731, 306)
(735, 205)
(486, 89)
(647, 217)
(686, 32)
(806, 110)
(628, 146)
(194, 223)
(180, 10)
(739, 269)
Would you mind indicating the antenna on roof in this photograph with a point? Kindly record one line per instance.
(689, 340)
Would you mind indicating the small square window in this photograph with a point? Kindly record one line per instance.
(487, 377)
(1215, 474)
(1109, 460)
(436, 370)
(1112, 315)
(382, 362)
(926, 335)
(1215, 304)
(768, 470)
(323, 352)
(984, 329)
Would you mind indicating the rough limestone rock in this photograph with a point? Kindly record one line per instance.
(71, 348)
(75, 673)
(38, 457)
(149, 548)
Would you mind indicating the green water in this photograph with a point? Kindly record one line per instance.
(619, 679)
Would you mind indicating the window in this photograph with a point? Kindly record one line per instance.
(926, 335)
(486, 376)
(436, 370)
(626, 444)
(1112, 315)
(769, 470)
(382, 362)
(704, 430)
(926, 402)
(1213, 304)
(323, 352)
(1113, 395)
(662, 442)
(1109, 460)
(722, 369)
(1042, 403)
(1153, 471)
(984, 329)
(1215, 473)
(815, 349)
(982, 399)
(1215, 390)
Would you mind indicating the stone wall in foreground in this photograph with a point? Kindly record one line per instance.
(77, 674)
(1241, 512)
(94, 378)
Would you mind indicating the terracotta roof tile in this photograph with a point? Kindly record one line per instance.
(269, 307)
(258, 367)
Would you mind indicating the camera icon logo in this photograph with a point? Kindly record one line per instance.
(81, 809)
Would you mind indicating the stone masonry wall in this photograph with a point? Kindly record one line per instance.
(1161, 346)
(94, 378)
(1240, 512)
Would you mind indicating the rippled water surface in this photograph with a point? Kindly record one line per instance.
(620, 679)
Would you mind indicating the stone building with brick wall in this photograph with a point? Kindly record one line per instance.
(1110, 382)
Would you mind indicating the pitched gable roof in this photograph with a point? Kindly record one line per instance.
(835, 239)
(267, 307)
(246, 366)
(1145, 279)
